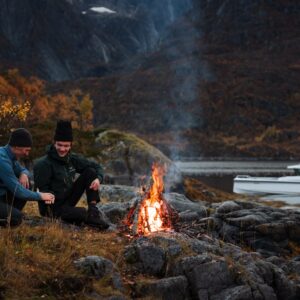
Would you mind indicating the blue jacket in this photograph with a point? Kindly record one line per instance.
(10, 170)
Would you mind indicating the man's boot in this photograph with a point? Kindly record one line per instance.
(95, 218)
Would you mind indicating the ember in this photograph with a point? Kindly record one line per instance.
(152, 213)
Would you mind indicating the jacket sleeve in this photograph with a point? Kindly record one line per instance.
(42, 176)
(11, 182)
(20, 169)
(81, 163)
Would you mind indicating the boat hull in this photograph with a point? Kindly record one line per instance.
(288, 185)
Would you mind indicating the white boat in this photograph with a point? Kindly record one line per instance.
(287, 185)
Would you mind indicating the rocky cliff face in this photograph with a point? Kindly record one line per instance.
(47, 38)
(59, 40)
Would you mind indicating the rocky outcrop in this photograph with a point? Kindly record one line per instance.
(223, 271)
(126, 158)
(230, 250)
(268, 230)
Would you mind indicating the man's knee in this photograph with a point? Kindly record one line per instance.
(90, 173)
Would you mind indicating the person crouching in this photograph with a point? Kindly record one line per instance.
(14, 179)
(56, 173)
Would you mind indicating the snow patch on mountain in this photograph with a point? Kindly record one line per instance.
(102, 10)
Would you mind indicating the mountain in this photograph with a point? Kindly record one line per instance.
(68, 39)
(193, 77)
(223, 80)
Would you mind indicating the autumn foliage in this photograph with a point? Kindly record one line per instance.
(24, 102)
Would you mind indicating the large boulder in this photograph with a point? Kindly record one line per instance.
(146, 257)
(126, 158)
(117, 193)
(175, 288)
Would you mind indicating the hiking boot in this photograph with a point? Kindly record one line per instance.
(95, 218)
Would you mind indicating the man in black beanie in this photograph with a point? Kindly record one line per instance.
(56, 173)
(14, 179)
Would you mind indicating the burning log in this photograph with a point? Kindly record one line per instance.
(152, 213)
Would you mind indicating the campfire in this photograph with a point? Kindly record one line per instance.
(152, 213)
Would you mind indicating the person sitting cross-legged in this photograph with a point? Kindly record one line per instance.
(56, 173)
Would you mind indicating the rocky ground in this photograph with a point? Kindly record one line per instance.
(222, 246)
(232, 250)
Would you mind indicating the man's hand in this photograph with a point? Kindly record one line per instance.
(24, 180)
(95, 185)
(48, 198)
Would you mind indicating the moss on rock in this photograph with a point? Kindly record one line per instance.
(126, 155)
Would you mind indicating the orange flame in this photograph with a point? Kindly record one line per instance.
(153, 214)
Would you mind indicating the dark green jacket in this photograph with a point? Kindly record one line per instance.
(56, 174)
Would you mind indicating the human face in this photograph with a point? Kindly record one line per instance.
(62, 148)
(20, 152)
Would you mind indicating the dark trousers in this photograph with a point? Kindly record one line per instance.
(10, 210)
(66, 208)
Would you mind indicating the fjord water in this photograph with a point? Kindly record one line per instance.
(220, 173)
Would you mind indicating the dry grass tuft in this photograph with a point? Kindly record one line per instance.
(198, 191)
(275, 204)
(39, 261)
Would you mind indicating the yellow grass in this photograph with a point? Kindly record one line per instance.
(38, 262)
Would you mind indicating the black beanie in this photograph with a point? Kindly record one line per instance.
(63, 131)
(20, 138)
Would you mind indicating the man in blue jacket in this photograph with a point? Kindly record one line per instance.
(14, 179)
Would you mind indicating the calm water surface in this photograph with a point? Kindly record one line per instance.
(220, 174)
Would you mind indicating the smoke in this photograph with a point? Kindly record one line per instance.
(174, 100)
(187, 71)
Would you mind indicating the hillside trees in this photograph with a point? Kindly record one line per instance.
(25, 102)
(11, 112)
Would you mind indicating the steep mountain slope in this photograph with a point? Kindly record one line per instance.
(48, 38)
(68, 39)
(225, 80)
